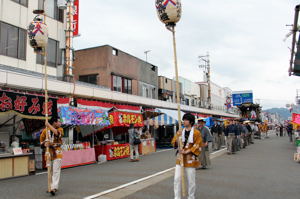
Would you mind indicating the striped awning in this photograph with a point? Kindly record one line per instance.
(169, 117)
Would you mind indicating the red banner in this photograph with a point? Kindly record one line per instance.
(119, 151)
(76, 18)
(125, 119)
(296, 118)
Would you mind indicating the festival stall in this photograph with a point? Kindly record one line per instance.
(120, 121)
(112, 141)
(80, 153)
(21, 118)
(296, 124)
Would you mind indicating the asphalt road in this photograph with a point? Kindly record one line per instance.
(79, 182)
(265, 170)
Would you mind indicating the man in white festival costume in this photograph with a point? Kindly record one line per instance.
(192, 143)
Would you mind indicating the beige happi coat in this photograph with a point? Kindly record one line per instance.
(191, 159)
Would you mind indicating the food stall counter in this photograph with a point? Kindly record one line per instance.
(14, 165)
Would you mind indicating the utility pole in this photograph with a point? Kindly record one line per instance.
(206, 68)
(68, 76)
(146, 53)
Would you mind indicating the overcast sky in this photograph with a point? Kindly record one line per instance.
(244, 39)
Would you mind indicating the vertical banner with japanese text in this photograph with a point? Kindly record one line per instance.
(76, 18)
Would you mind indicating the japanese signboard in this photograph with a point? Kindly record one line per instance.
(125, 119)
(29, 106)
(240, 98)
(81, 116)
(117, 151)
(76, 18)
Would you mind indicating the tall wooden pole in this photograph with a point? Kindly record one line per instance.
(48, 155)
(172, 29)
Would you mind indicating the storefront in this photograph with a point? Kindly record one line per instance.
(22, 116)
(116, 145)
(80, 153)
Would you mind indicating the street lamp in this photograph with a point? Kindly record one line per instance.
(146, 53)
(169, 13)
(38, 39)
(206, 67)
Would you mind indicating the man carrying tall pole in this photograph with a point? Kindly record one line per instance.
(169, 12)
(51, 136)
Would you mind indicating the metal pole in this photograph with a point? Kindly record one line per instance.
(295, 28)
(208, 82)
(69, 41)
(179, 110)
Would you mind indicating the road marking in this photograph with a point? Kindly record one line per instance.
(163, 150)
(128, 184)
(41, 173)
(213, 155)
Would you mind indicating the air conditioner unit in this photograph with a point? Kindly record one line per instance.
(62, 4)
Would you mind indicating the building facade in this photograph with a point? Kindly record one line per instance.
(112, 68)
(191, 92)
(15, 51)
(167, 89)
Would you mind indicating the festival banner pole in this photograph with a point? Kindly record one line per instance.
(169, 12)
(38, 39)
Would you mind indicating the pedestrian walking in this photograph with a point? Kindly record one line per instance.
(55, 134)
(216, 131)
(192, 141)
(207, 138)
(289, 130)
(134, 141)
(230, 136)
(281, 130)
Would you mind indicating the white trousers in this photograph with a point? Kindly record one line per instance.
(134, 148)
(56, 168)
(190, 174)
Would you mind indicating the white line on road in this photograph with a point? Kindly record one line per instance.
(128, 184)
(214, 155)
(163, 150)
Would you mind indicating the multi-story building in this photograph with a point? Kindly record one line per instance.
(15, 51)
(112, 68)
(191, 92)
(167, 89)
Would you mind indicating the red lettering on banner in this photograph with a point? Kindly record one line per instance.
(35, 107)
(20, 103)
(76, 18)
(50, 104)
(5, 103)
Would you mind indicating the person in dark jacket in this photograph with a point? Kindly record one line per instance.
(230, 133)
(206, 138)
(216, 131)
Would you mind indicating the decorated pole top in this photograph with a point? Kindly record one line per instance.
(169, 11)
(38, 33)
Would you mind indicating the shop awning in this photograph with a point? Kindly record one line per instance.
(168, 117)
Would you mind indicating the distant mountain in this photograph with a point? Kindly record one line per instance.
(282, 112)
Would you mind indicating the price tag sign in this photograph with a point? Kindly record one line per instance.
(17, 151)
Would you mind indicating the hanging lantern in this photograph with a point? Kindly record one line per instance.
(38, 34)
(169, 11)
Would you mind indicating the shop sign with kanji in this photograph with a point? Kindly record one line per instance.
(29, 106)
(125, 119)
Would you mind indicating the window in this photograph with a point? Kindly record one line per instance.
(115, 52)
(166, 80)
(117, 83)
(92, 79)
(52, 9)
(53, 54)
(22, 2)
(12, 41)
(121, 84)
(127, 86)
